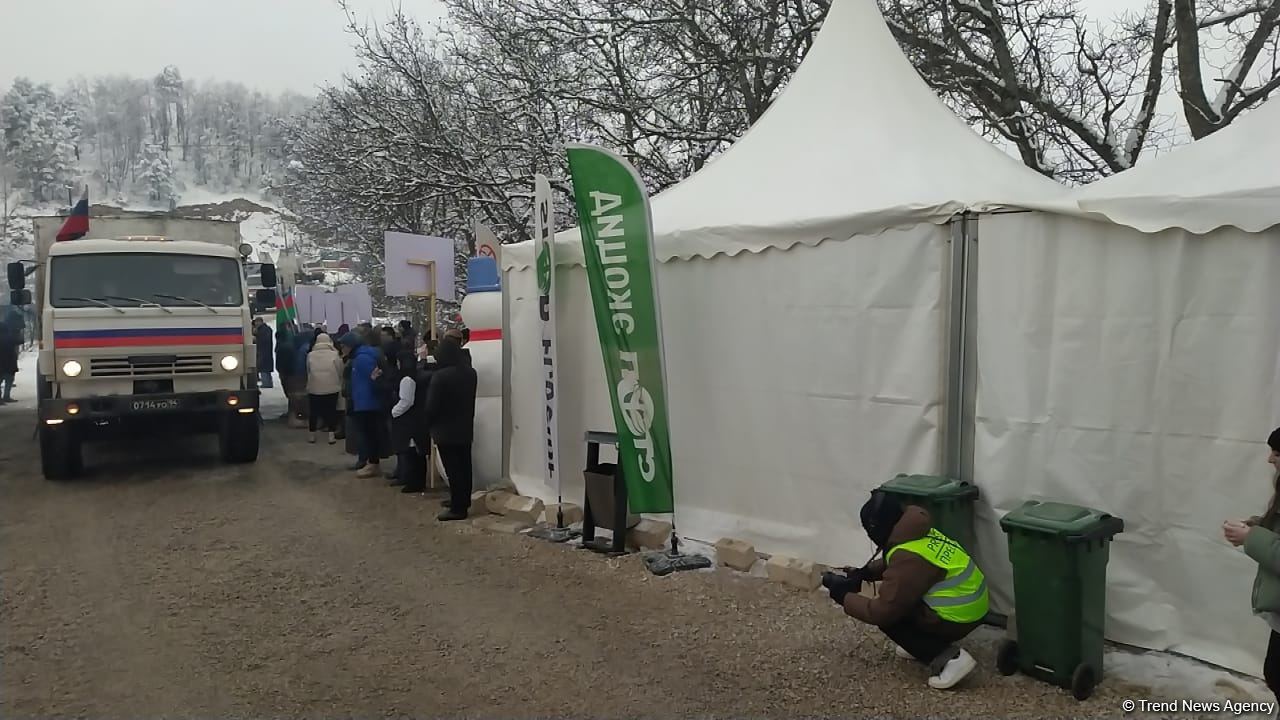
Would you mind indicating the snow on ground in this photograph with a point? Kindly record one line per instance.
(200, 195)
(334, 278)
(1173, 676)
(24, 386)
(269, 232)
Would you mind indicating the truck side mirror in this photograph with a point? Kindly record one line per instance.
(265, 298)
(19, 298)
(268, 274)
(17, 276)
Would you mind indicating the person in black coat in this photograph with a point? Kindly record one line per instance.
(408, 336)
(266, 352)
(10, 343)
(450, 414)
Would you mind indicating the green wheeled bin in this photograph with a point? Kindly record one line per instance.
(949, 501)
(1059, 554)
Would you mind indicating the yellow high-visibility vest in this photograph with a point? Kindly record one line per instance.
(960, 597)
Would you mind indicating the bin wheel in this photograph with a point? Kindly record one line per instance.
(1083, 681)
(1007, 657)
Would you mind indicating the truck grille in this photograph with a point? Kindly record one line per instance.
(150, 366)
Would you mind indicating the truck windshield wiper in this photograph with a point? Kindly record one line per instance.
(185, 299)
(140, 301)
(95, 301)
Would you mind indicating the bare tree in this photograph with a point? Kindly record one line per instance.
(669, 84)
(1078, 102)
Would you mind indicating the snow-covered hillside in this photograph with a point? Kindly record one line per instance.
(263, 224)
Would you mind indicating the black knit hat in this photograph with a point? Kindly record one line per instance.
(879, 515)
(1274, 440)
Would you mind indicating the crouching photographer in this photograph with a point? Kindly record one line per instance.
(931, 592)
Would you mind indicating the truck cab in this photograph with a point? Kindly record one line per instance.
(139, 332)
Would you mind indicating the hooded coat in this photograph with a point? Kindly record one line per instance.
(364, 391)
(286, 353)
(10, 343)
(904, 581)
(450, 411)
(265, 344)
(303, 348)
(324, 368)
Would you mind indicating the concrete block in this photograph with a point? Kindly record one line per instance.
(494, 500)
(737, 554)
(495, 523)
(572, 514)
(519, 507)
(650, 534)
(795, 572)
(478, 503)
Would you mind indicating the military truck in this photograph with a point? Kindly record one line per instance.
(143, 324)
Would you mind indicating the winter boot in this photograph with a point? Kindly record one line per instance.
(948, 669)
(450, 515)
(333, 438)
(367, 471)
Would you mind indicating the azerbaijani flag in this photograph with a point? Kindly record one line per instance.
(286, 313)
(77, 223)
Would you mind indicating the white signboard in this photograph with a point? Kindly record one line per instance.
(487, 244)
(407, 272)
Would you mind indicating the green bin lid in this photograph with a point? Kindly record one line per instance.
(1066, 521)
(929, 486)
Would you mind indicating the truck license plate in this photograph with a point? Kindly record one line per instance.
(156, 405)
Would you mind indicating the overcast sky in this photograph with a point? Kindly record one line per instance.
(270, 45)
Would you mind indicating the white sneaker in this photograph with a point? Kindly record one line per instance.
(901, 652)
(956, 669)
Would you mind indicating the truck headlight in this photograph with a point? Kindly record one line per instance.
(71, 368)
(230, 362)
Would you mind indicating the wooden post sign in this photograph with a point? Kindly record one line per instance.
(405, 256)
(430, 296)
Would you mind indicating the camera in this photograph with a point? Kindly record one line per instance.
(848, 577)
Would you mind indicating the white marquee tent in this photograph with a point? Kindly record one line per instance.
(1126, 359)
(1103, 365)
(801, 373)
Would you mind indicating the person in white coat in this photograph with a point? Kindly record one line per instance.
(324, 382)
(406, 426)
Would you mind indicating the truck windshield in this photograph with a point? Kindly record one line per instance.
(134, 279)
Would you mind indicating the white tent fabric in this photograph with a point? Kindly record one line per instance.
(1228, 179)
(855, 143)
(797, 382)
(1137, 374)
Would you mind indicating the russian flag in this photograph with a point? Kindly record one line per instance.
(77, 224)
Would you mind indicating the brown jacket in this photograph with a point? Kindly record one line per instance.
(904, 581)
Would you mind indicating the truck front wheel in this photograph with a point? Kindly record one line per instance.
(60, 452)
(238, 438)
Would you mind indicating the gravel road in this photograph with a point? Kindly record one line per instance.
(167, 585)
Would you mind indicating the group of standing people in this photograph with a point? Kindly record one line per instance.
(389, 392)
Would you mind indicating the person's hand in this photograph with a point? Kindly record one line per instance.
(377, 373)
(1235, 532)
(838, 586)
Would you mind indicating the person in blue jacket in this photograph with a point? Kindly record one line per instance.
(366, 402)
